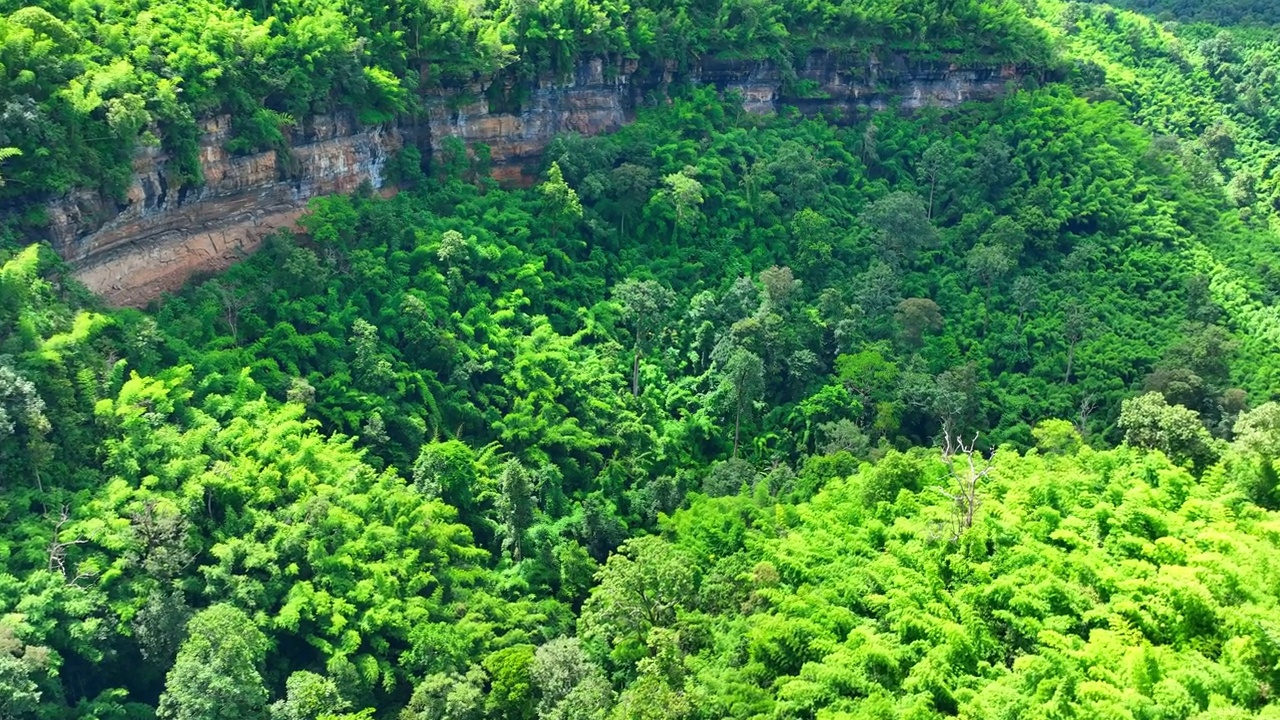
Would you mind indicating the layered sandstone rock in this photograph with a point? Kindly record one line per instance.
(596, 100)
(133, 251)
(844, 89)
(159, 237)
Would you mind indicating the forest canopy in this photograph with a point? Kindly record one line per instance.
(83, 84)
(966, 413)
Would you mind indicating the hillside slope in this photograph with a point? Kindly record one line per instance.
(963, 412)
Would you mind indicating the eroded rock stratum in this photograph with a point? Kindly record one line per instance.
(132, 250)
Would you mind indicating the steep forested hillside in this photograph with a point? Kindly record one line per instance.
(961, 413)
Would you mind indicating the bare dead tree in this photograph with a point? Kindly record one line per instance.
(968, 469)
(1088, 404)
(58, 548)
(234, 298)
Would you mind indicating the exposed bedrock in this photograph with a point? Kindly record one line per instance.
(133, 250)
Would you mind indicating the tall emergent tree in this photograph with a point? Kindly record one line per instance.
(684, 193)
(515, 506)
(900, 222)
(645, 303)
(937, 162)
(562, 200)
(740, 383)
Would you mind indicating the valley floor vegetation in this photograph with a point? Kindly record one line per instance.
(967, 413)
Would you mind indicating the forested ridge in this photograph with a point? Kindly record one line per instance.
(86, 83)
(969, 412)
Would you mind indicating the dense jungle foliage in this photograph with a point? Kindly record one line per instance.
(85, 82)
(964, 413)
(1222, 12)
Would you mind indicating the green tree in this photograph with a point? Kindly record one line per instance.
(955, 399)
(601, 529)
(511, 687)
(561, 200)
(780, 285)
(1057, 437)
(813, 239)
(160, 626)
(448, 696)
(739, 377)
(576, 569)
(641, 587)
(915, 316)
(569, 684)
(1195, 370)
(308, 696)
(1150, 422)
(988, 264)
(879, 289)
(1257, 433)
(658, 692)
(645, 304)
(19, 694)
(372, 366)
(685, 194)
(454, 248)
(900, 224)
(798, 175)
(632, 185)
(1077, 321)
(20, 402)
(993, 167)
(1026, 297)
(1259, 430)
(215, 676)
(866, 373)
(20, 665)
(728, 477)
(936, 165)
(447, 470)
(515, 506)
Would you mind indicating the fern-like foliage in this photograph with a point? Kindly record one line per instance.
(5, 154)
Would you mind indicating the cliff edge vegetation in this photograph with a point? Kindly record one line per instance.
(84, 84)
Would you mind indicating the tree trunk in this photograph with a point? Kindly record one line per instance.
(986, 311)
(737, 427)
(635, 361)
(635, 372)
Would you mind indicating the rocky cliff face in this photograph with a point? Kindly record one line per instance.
(843, 89)
(133, 251)
(597, 99)
(159, 237)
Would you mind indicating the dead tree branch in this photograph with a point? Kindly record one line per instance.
(58, 548)
(968, 469)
